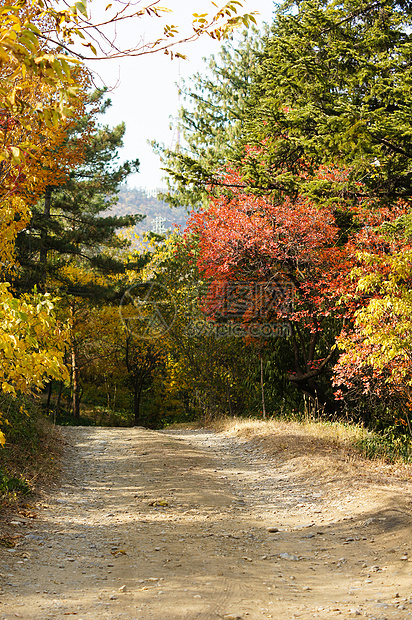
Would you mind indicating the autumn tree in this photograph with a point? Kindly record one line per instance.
(35, 90)
(92, 325)
(373, 375)
(70, 243)
(31, 344)
(206, 370)
(35, 156)
(265, 250)
(329, 90)
(41, 87)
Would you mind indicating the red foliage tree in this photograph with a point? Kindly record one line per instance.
(245, 238)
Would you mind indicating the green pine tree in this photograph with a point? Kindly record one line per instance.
(210, 122)
(333, 87)
(71, 223)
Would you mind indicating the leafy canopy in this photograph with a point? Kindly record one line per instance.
(332, 86)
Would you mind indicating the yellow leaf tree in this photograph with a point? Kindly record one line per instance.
(31, 343)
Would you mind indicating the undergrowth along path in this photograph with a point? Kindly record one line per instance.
(197, 525)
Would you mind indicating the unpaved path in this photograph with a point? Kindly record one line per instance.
(174, 526)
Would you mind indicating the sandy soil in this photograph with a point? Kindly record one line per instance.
(194, 525)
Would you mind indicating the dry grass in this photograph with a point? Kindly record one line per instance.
(294, 437)
(334, 433)
(45, 466)
(322, 446)
(35, 462)
(175, 426)
(280, 435)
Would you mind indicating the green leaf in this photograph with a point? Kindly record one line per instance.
(82, 7)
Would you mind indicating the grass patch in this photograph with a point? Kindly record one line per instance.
(386, 445)
(31, 455)
(12, 485)
(96, 416)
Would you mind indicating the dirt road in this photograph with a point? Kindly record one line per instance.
(192, 525)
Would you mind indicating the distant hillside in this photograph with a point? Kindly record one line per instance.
(159, 215)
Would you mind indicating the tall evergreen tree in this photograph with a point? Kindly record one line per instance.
(70, 223)
(210, 122)
(333, 87)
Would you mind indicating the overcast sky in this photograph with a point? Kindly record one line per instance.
(145, 93)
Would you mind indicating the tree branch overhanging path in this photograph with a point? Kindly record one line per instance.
(100, 34)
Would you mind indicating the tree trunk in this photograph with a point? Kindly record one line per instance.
(43, 234)
(136, 404)
(229, 401)
(262, 387)
(57, 406)
(316, 394)
(49, 393)
(75, 384)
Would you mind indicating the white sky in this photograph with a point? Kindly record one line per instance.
(145, 94)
